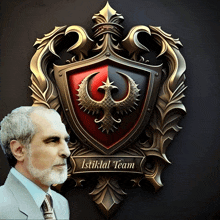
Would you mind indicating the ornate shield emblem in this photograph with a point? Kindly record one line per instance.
(120, 108)
(109, 99)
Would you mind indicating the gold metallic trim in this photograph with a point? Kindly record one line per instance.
(107, 194)
(169, 107)
(43, 90)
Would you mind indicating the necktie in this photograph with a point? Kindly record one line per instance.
(47, 208)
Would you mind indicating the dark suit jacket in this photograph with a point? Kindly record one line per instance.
(17, 203)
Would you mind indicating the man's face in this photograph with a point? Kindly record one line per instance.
(46, 157)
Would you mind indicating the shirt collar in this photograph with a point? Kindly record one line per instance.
(36, 192)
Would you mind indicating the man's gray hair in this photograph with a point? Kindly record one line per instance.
(18, 126)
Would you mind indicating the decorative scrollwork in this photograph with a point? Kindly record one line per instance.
(83, 44)
(169, 107)
(44, 92)
(132, 44)
(107, 194)
(107, 21)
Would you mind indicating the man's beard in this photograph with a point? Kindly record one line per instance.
(50, 175)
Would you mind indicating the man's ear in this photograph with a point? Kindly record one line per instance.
(18, 150)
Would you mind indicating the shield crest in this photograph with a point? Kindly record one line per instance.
(122, 113)
(108, 99)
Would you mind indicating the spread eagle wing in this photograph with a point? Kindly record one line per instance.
(130, 101)
(85, 101)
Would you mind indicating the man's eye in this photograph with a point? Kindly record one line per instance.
(54, 140)
(67, 140)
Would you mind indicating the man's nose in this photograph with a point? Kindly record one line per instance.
(65, 152)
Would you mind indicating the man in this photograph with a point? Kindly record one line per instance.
(34, 141)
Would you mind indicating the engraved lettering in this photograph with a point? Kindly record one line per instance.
(83, 163)
(130, 166)
(123, 165)
(102, 164)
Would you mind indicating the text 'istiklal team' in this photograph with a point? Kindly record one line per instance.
(110, 164)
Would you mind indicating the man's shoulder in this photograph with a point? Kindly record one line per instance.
(7, 197)
(8, 204)
(6, 194)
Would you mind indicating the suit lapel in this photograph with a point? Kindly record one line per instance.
(56, 207)
(25, 201)
(60, 206)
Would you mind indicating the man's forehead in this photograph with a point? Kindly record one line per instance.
(47, 122)
(41, 114)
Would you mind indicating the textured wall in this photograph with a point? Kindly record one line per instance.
(192, 183)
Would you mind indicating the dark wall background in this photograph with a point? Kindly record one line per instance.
(192, 183)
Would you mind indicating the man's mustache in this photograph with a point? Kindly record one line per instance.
(63, 162)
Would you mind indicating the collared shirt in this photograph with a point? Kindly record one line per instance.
(36, 192)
